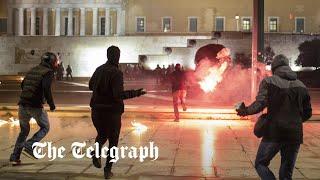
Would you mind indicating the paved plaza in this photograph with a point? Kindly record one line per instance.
(190, 149)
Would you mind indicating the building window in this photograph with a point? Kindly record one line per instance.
(166, 24)
(3, 25)
(246, 24)
(300, 24)
(141, 24)
(103, 26)
(220, 23)
(273, 24)
(193, 24)
(37, 25)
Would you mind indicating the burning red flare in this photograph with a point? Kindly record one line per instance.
(213, 74)
(214, 77)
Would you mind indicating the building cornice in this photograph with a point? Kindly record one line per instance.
(67, 3)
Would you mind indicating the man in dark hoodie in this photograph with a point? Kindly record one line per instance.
(179, 90)
(36, 87)
(288, 103)
(107, 104)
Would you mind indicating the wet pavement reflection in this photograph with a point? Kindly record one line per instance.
(190, 148)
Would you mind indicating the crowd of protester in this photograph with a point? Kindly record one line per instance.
(139, 72)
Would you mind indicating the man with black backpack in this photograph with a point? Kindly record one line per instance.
(288, 103)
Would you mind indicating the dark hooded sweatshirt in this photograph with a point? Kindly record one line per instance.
(288, 103)
(108, 91)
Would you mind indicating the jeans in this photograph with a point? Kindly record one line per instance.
(25, 114)
(179, 95)
(108, 125)
(267, 151)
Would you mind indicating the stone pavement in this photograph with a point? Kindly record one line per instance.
(191, 149)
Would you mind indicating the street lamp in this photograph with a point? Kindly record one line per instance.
(237, 17)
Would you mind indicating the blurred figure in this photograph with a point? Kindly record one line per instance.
(36, 89)
(69, 72)
(107, 104)
(158, 74)
(288, 103)
(163, 73)
(179, 90)
(60, 72)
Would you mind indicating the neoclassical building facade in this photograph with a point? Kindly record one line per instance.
(65, 17)
(81, 30)
(136, 17)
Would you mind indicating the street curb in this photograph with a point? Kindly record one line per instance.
(142, 112)
(136, 112)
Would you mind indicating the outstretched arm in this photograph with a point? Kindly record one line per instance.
(118, 90)
(259, 104)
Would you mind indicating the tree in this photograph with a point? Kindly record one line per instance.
(309, 54)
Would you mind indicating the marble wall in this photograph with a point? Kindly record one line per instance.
(84, 54)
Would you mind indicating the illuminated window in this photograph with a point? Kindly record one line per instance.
(220, 23)
(166, 24)
(3, 25)
(246, 24)
(37, 25)
(300, 25)
(273, 24)
(193, 24)
(141, 24)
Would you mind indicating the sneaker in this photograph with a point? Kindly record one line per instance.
(184, 108)
(29, 153)
(15, 162)
(96, 162)
(108, 175)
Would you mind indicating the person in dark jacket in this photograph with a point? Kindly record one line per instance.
(179, 90)
(36, 87)
(107, 104)
(288, 103)
(69, 72)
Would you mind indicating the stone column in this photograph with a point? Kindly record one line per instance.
(45, 22)
(107, 24)
(21, 22)
(119, 16)
(33, 22)
(57, 27)
(9, 21)
(70, 22)
(95, 21)
(123, 22)
(82, 21)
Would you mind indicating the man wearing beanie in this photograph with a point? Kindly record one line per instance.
(288, 104)
(107, 104)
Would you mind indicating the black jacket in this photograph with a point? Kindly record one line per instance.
(178, 80)
(108, 92)
(36, 87)
(288, 103)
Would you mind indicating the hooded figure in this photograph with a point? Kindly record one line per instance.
(288, 104)
(107, 104)
(36, 89)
